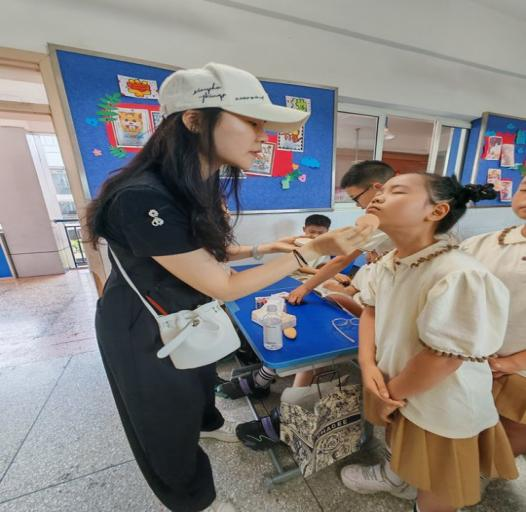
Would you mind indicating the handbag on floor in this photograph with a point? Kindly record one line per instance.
(321, 423)
(192, 338)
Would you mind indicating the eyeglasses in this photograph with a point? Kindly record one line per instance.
(357, 196)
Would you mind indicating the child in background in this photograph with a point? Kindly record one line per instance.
(504, 254)
(433, 317)
(316, 225)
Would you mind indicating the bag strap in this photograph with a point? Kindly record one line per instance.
(133, 287)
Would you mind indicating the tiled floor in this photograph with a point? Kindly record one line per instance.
(62, 448)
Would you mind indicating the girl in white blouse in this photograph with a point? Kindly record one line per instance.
(433, 317)
(504, 254)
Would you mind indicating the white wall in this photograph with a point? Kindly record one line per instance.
(23, 213)
(413, 55)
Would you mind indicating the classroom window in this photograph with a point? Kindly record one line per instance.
(407, 144)
(355, 141)
(451, 149)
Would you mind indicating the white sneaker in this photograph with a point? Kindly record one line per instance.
(371, 479)
(227, 434)
(220, 506)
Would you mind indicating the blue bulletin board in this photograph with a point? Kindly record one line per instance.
(496, 153)
(113, 110)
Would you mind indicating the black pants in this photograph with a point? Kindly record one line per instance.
(162, 410)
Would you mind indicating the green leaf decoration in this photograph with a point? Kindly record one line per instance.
(108, 107)
(118, 152)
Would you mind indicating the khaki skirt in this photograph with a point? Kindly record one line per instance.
(449, 468)
(510, 397)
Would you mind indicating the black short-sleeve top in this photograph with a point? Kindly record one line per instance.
(145, 219)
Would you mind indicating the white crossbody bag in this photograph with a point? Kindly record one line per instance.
(192, 338)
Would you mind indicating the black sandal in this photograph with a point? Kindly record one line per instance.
(241, 386)
(261, 434)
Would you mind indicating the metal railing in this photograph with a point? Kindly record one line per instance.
(72, 229)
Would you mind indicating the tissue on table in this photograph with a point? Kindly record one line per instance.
(277, 299)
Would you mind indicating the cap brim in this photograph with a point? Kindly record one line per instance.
(277, 118)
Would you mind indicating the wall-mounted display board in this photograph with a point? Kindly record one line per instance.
(496, 153)
(113, 109)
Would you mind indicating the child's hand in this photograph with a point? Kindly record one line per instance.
(296, 296)
(342, 279)
(333, 286)
(503, 366)
(386, 410)
(374, 382)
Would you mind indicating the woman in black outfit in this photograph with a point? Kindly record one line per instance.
(163, 217)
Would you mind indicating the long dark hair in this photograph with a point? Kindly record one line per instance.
(448, 190)
(173, 153)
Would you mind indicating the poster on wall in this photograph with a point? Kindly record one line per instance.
(506, 190)
(138, 88)
(263, 164)
(508, 155)
(294, 141)
(494, 177)
(492, 148)
(131, 125)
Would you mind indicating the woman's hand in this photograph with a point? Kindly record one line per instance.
(339, 241)
(296, 296)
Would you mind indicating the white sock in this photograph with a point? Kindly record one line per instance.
(263, 377)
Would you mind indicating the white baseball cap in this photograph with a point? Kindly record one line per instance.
(228, 88)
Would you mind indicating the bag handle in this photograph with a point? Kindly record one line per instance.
(133, 287)
(332, 373)
(178, 340)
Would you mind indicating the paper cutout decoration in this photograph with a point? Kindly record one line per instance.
(117, 152)
(521, 137)
(308, 161)
(492, 148)
(507, 137)
(108, 107)
(508, 155)
(302, 178)
(494, 177)
(97, 152)
(295, 166)
(282, 159)
(510, 126)
(489, 133)
(138, 88)
(263, 164)
(506, 191)
(285, 183)
(92, 121)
